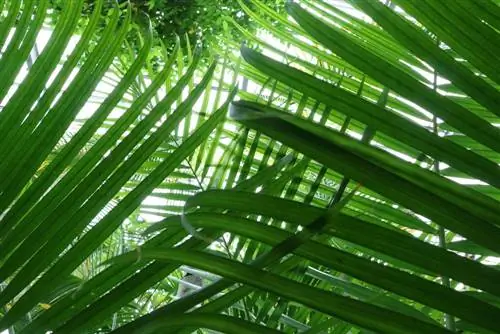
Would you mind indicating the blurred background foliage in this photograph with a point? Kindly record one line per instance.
(204, 22)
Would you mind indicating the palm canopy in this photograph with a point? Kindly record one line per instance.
(353, 188)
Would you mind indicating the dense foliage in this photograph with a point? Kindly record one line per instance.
(202, 21)
(354, 187)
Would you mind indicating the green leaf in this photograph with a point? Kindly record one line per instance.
(363, 314)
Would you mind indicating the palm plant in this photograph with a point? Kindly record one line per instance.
(355, 189)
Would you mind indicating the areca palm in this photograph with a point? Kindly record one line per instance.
(332, 200)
